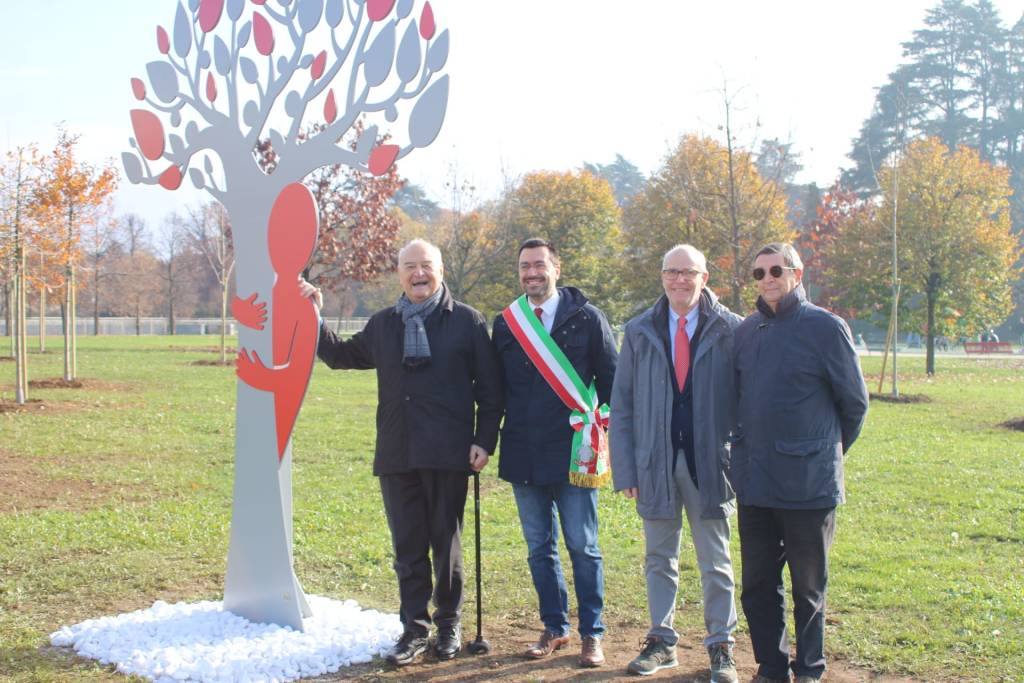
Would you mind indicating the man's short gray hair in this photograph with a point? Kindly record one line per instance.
(433, 248)
(696, 254)
(790, 256)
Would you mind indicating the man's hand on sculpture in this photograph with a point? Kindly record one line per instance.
(631, 492)
(478, 458)
(310, 292)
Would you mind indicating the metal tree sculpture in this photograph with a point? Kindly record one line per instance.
(222, 84)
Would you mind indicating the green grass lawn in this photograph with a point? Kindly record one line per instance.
(134, 472)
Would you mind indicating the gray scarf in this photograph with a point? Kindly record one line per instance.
(417, 348)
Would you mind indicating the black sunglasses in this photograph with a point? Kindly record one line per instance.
(776, 271)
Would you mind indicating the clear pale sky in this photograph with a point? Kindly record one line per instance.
(536, 84)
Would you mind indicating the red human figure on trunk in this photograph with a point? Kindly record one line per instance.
(291, 237)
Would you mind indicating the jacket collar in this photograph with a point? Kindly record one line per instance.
(787, 304)
(570, 301)
(447, 301)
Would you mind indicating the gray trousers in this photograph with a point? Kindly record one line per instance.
(711, 541)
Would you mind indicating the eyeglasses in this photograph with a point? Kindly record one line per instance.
(776, 271)
(675, 273)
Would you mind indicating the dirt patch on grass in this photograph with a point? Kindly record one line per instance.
(56, 383)
(1016, 425)
(202, 349)
(35, 405)
(26, 483)
(505, 662)
(902, 398)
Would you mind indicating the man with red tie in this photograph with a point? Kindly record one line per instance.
(672, 410)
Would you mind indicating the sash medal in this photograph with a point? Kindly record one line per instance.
(588, 462)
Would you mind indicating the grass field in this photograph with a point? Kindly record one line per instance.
(118, 494)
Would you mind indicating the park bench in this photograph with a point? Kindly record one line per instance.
(988, 347)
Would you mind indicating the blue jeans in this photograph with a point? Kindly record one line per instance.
(541, 508)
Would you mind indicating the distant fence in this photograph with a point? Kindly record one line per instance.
(159, 326)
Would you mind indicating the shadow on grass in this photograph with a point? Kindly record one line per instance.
(1016, 425)
(902, 398)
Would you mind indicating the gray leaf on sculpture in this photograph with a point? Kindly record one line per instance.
(407, 64)
(437, 54)
(132, 167)
(182, 32)
(235, 8)
(404, 8)
(428, 114)
(221, 56)
(164, 80)
(196, 176)
(310, 12)
(249, 71)
(244, 33)
(334, 12)
(380, 56)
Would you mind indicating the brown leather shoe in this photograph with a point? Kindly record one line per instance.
(591, 654)
(548, 643)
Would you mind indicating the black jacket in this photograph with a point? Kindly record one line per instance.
(536, 437)
(425, 415)
(802, 403)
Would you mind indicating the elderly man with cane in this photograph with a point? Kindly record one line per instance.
(439, 406)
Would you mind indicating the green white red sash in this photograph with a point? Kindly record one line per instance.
(588, 462)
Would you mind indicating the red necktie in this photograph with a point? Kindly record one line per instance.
(682, 359)
(540, 313)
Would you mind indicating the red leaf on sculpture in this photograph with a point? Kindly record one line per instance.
(209, 14)
(427, 25)
(171, 178)
(262, 34)
(149, 133)
(318, 65)
(330, 108)
(211, 87)
(378, 9)
(381, 158)
(162, 41)
(138, 89)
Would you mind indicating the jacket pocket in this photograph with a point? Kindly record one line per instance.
(801, 470)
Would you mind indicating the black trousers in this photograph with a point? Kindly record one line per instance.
(769, 539)
(424, 510)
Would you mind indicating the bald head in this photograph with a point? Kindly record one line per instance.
(696, 256)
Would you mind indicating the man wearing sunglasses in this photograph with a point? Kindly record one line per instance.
(801, 404)
(673, 405)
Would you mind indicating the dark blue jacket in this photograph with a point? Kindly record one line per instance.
(802, 403)
(535, 435)
(429, 415)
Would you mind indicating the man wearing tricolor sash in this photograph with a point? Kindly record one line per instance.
(558, 357)
(673, 407)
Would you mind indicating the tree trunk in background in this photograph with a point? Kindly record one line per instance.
(42, 320)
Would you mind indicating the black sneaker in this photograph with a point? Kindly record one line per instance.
(408, 649)
(723, 666)
(655, 656)
(449, 642)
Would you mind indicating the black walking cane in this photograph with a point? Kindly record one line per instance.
(478, 646)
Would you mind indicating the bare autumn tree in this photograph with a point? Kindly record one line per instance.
(175, 274)
(100, 251)
(137, 290)
(209, 230)
(379, 55)
(71, 198)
